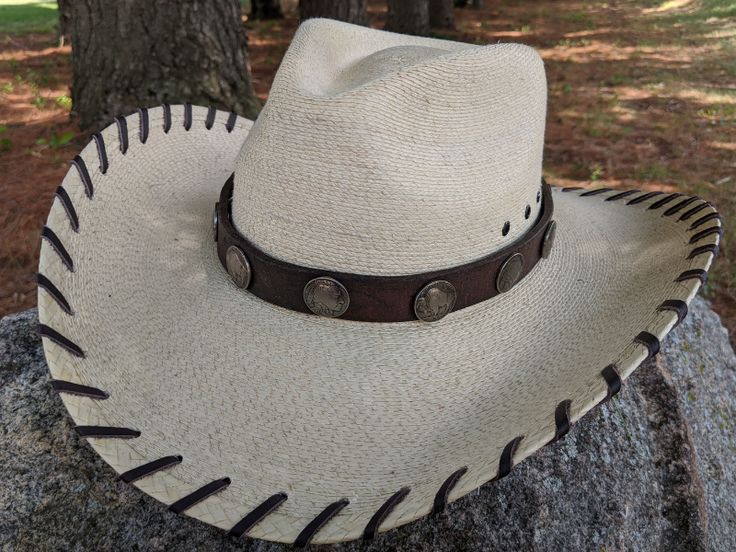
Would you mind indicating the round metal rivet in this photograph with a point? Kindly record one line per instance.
(510, 272)
(215, 220)
(326, 297)
(435, 301)
(238, 266)
(548, 239)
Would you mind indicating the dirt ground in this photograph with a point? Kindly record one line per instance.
(641, 95)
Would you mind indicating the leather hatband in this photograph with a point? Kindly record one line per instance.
(380, 298)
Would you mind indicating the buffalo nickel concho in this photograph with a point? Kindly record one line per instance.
(435, 300)
(510, 272)
(326, 297)
(238, 266)
(548, 239)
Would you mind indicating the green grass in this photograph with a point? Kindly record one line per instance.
(27, 16)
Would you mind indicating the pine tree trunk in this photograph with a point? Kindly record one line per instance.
(408, 16)
(138, 53)
(64, 24)
(352, 11)
(441, 14)
(267, 9)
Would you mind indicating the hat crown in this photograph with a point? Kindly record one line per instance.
(379, 153)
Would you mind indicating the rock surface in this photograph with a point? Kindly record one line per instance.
(654, 469)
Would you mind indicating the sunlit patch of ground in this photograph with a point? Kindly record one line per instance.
(642, 94)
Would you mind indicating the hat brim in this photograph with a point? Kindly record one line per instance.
(135, 303)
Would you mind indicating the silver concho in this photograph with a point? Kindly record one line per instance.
(435, 301)
(548, 239)
(238, 267)
(215, 220)
(326, 297)
(510, 272)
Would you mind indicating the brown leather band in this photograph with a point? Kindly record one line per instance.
(376, 298)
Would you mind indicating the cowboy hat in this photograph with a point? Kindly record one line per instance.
(364, 305)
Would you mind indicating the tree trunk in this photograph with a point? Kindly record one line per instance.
(267, 9)
(137, 53)
(478, 4)
(408, 16)
(442, 14)
(352, 11)
(64, 23)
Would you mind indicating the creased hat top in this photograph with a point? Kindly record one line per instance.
(379, 153)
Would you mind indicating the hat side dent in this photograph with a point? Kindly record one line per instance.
(413, 157)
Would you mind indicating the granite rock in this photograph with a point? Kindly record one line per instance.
(654, 469)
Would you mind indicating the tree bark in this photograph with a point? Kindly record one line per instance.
(64, 17)
(408, 16)
(442, 14)
(267, 9)
(352, 11)
(137, 53)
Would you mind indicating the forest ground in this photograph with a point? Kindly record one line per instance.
(642, 94)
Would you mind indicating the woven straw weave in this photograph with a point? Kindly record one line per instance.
(325, 409)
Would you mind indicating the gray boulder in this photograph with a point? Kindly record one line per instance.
(654, 469)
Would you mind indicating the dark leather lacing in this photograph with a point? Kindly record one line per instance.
(210, 120)
(621, 195)
(167, 118)
(257, 514)
(642, 198)
(71, 388)
(81, 167)
(101, 152)
(562, 412)
(66, 203)
(595, 192)
(664, 201)
(677, 306)
(50, 236)
(47, 285)
(318, 522)
(63, 342)
(187, 116)
(506, 462)
(613, 381)
(703, 220)
(199, 495)
(698, 273)
(688, 214)
(231, 119)
(104, 432)
(562, 420)
(649, 341)
(371, 529)
(122, 125)
(709, 248)
(707, 232)
(150, 468)
(679, 206)
(440, 499)
(143, 124)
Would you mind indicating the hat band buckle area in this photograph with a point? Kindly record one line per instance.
(427, 296)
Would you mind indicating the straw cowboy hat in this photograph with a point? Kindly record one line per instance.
(388, 308)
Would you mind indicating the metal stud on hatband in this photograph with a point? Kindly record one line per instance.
(215, 221)
(435, 301)
(510, 272)
(238, 267)
(326, 296)
(548, 239)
